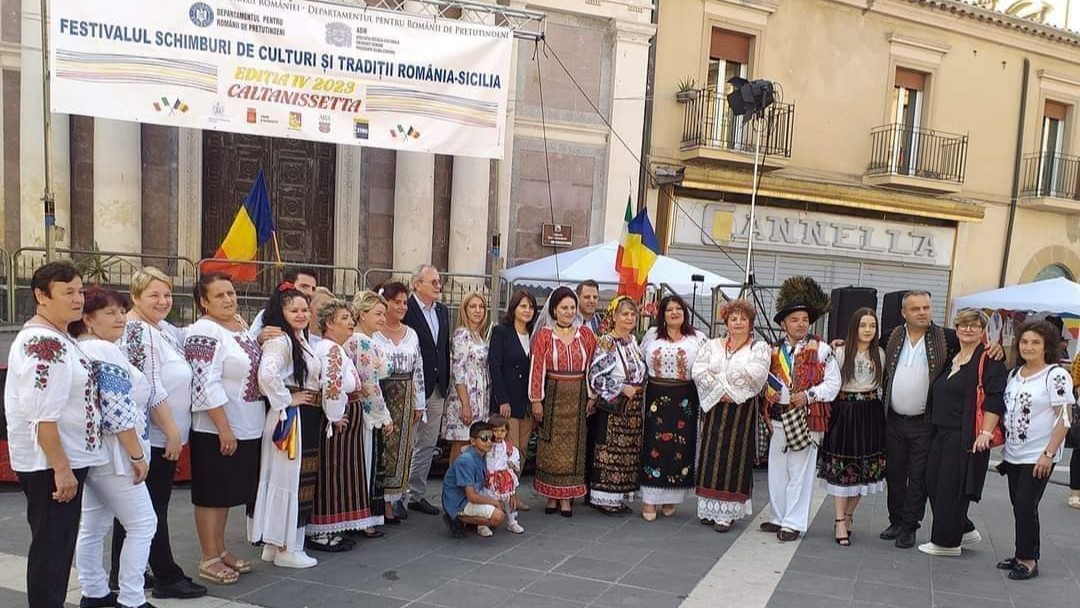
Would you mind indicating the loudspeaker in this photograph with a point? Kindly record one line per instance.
(891, 306)
(843, 302)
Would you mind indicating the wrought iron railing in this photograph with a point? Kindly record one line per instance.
(900, 149)
(1050, 175)
(708, 122)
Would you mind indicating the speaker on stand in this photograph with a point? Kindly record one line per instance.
(843, 302)
(892, 305)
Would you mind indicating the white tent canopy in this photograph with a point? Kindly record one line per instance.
(1058, 295)
(597, 262)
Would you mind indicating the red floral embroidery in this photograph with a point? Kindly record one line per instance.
(47, 351)
(333, 374)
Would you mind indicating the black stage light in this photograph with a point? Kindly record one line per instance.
(749, 97)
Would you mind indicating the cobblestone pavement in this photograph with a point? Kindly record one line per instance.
(595, 560)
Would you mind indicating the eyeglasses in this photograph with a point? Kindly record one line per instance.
(484, 437)
(969, 327)
(433, 282)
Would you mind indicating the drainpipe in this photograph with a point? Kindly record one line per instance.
(646, 137)
(1016, 174)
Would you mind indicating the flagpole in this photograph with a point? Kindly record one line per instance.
(48, 197)
(277, 252)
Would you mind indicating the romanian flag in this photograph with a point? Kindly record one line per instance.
(252, 228)
(640, 249)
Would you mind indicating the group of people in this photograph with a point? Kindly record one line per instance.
(322, 418)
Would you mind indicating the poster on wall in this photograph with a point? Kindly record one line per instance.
(286, 68)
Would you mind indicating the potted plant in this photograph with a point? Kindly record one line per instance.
(687, 90)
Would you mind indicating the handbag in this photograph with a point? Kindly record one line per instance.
(998, 438)
(796, 429)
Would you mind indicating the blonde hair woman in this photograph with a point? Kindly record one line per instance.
(470, 401)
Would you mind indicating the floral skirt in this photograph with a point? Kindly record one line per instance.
(669, 445)
(616, 458)
(852, 456)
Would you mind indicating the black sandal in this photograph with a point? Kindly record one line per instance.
(327, 543)
(843, 541)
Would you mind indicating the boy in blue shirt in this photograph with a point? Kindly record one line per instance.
(462, 500)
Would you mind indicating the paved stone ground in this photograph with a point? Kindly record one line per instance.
(598, 561)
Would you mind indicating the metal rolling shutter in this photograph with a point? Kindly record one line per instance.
(771, 269)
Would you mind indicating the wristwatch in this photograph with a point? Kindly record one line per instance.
(1049, 455)
(810, 396)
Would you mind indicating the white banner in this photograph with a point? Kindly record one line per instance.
(286, 68)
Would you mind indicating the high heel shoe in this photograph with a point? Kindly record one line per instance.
(850, 524)
(551, 510)
(843, 541)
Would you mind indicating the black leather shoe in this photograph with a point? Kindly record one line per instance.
(424, 507)
(183, 589)
(143, 605)
(457, 529)
(786, 536)
(768, 526)
(1007, 564)
(400, 511)
(1023, 573)
(906, 540)
(891, 533)
(109, 601)
(392, 521)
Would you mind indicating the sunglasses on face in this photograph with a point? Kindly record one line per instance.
(484, 437)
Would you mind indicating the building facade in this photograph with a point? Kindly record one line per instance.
(913, 143)
(164, 191)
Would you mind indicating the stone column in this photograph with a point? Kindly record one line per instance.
(469, 215)
(118, 185)
(189, 195)
(350, 223)
(414, 199)
(31, 149)
(631, 58)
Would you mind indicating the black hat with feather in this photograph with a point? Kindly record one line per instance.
(800, 293)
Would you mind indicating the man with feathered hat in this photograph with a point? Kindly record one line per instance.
(804, 378)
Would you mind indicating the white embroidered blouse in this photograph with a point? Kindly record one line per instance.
(341, 379)
(671, 360)
(158, 352)
(1033, 407)
(225, 373)
(739, 376)
(50, 380)
(405, 358)
(125, 398)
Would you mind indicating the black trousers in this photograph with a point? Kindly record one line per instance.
(54, 528)
(907, 447)
(1074, 469)
(159, 483)
(1025, 492)
(946, 473)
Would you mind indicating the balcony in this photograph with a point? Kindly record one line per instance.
(920, 160)
(1050, 182)
(712, 134)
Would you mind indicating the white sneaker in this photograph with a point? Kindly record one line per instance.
(516, 528)
(294, 559)
(484, 531)
(932, 549)
(268, 553)
(970, 538)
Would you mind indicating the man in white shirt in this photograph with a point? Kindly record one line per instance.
(430, 319)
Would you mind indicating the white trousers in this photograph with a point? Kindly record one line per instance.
(791, 481)
(105, 496)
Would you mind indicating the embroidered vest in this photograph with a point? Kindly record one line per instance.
(808, 372)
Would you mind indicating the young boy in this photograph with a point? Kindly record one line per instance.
(461, 498)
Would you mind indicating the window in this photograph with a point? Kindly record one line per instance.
(909, 89)
(1053, 271)
(1052, 148)
(729, 56)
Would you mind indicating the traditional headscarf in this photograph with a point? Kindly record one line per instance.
(558, 295)
(608, 324)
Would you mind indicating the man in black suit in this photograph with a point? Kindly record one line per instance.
(430, 319)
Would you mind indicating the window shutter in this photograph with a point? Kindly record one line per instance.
(730, 46)
(910, 79)
(1055, 110)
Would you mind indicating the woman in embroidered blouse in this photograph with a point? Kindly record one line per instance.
(403, 390)
(729, 373)
(54, 428)
(156, 348)
(227, 421)
(959, 450)
(669, 440)
(347, 498)
(115, 488)
(470, 401)
(289, 374)
(852, 461)
(616, 375)
(1036, 394)
(562, 350)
